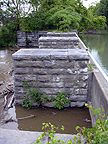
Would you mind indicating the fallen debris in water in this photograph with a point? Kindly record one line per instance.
(8, 90)
(86, 120)
(15, 120)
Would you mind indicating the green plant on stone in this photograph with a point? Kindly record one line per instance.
(26, 103)
(60, 101)
(75, 83)
(90, 67)
(80, 46)
(35, 95)
(44, 98)
(32, 94)
(49, 131)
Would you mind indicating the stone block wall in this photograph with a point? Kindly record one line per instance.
(55, 70)
(21, 38)
(70, 34)
(58, 42)
(29, 39)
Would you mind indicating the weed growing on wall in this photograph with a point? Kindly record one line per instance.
(33, 94)
(60, 100)
(90, 67)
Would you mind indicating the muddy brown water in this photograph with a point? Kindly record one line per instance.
(69, 117)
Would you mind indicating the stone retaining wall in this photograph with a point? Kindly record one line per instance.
(29, 39)
(55, 70)
(58, 42)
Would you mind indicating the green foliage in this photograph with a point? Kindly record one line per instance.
(44, 98)
(90, 67)
(60, 100)
(99, 133)
(103, 9)
(65, 19)
(33, 94)
(99, 22)
(80, 46)
(26, 103)
(62, 15)
(34, 21)
(7, 36)
(96, 135)
(50, 130)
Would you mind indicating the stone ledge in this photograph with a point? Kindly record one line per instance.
(49, 54)
(62, 39)
(57, 34)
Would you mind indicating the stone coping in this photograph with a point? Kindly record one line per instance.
(62, 39)
(50, 54)
(64, 34)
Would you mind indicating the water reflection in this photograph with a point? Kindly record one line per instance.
(98, 46)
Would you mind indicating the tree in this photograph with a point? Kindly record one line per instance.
(15, 10)
(103, 9)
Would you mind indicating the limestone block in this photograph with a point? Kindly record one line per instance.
(70, 34)
(27, 77)
(51, 91)
(48, 104)
(40, 71)
(55, 79)
(57, 71)
(59, 54)
(79, 98)
(21, 70)
(77, 104)
(78, 54)
(81, 91)
(44, 78)
(51, 85)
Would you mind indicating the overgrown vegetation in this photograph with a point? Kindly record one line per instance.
(98, 134)
(60, 15)
(49, 130)
(60, 100)
(33, 94)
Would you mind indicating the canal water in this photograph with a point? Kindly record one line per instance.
(98, 46)
(69, 117)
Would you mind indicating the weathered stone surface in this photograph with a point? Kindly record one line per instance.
(29, 39)
(77, 104)
(55, 70)
(70, 34)
(48, 104)
(78, 98)
(58, 42)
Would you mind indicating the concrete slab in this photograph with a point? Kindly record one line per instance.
(8, 136)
